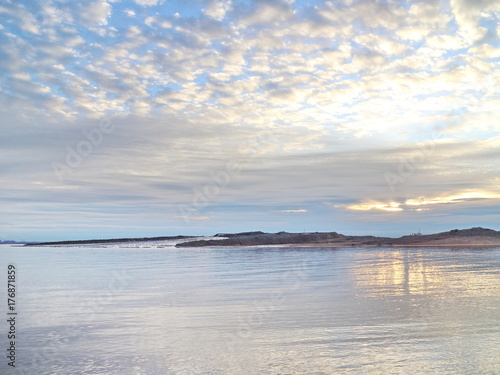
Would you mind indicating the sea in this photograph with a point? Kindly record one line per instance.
(261, 310)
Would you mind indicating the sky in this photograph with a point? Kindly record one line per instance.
(135, 118)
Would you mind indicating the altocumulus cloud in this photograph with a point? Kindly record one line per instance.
(347, 91)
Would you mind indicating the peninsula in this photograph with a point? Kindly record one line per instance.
(464, 238)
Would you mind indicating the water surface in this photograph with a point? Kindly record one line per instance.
(254, 311)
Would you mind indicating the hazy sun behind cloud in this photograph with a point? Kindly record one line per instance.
(423, 201)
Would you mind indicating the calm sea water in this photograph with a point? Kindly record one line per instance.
(253, 311)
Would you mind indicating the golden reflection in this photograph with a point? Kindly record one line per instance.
(410, 272)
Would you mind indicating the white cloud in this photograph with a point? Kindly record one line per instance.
(217, 9)
(485, 51)
(147, 3)
(381, 44)
(94, 13)
(446, 42)
(267, 14)
(468, 14)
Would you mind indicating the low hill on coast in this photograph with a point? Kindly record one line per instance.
(261, 238)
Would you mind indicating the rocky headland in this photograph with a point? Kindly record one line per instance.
(465, 237)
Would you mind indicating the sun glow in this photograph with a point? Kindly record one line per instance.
(451, 198)
(391, 207)
(411, 204)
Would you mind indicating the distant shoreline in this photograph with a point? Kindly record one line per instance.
(476, 237)
(109, 241)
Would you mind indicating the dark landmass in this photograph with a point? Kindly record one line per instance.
(110, 241)
(229, 235)
(11, 243)
(261, 238)
(466, 237)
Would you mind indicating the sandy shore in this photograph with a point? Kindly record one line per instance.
(427, 244)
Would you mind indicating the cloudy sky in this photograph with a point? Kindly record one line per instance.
(125, 118)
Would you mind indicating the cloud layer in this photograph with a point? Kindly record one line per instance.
(338, 113)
